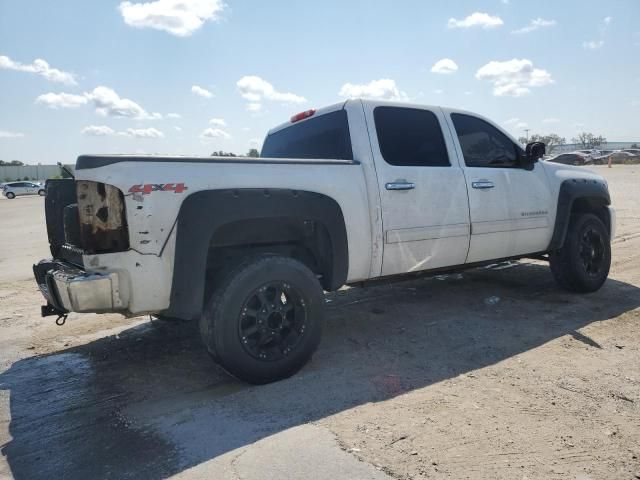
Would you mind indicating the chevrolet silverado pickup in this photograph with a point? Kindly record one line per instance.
(340, 196)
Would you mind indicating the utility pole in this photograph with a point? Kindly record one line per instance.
(526, 131)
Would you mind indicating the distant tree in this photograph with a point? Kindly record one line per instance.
(633, 145)
(253, 152)
(589, 140)
(16, 163)
(551, 140)
(223, 154)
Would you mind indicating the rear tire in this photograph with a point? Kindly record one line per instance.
(582, 263)
(10, 195)
(264, 320)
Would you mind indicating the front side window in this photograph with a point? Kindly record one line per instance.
(323, 137)
(483, 145)
(410, 137)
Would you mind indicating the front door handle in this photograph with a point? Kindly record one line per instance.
(482, 184)
(400, 185)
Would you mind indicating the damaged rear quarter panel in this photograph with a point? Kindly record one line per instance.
(103, 224)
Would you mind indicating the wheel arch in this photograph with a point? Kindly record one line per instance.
(579, 195)
(215, 224)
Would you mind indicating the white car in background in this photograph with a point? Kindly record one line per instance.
(13, 189)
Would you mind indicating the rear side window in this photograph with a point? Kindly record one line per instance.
(325, 136)
(410, 137)
(483, 145)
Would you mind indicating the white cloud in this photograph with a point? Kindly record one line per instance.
(593, 44)
(596, 44)
(61, 100)
(468, 92)
(382, 89)
(105, 100)
(438, 91)
(514, 77)
(551, 120)
(446, 65)
(218, 122)
(103, 131)
(174, 115)
(98, 131)
(177, 129)
(535, 24)
(476, 19)
(6, 134)
(511, 121)
(215, 133)
(108, 103)
(201, 92)
(255, 89)
(177, 17)
(39, 67)
(143, 133)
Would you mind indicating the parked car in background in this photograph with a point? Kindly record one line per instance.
(631, 151)
(574, 158)
(590, 153)
(13, 189)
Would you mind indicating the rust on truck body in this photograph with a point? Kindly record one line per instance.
(103, 224)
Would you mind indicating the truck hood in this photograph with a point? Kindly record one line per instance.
(557, 172)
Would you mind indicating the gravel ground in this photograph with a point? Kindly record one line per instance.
(420, 379)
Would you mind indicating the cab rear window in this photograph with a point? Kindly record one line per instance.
(322, 137)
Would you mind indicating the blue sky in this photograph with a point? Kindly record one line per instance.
(194, 76)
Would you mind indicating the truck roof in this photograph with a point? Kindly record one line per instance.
(343, 104)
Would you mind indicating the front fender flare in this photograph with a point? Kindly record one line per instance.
(595, 192)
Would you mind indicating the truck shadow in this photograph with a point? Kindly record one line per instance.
(150, 403)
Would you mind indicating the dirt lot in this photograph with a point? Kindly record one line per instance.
(422, 379)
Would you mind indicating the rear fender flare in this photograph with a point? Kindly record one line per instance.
(203, 213)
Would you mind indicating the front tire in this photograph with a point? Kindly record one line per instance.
(264, 321)
(582, 264)
(41, 192)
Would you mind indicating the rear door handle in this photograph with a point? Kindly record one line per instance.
(482, 184)
(400, 186)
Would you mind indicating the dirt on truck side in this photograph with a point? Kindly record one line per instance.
(493, 373)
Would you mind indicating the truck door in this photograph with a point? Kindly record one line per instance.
(425, 212)
(509, 205)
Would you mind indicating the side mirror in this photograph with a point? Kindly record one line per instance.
(535, 151)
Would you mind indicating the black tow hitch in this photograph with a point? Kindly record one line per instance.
(48, 310)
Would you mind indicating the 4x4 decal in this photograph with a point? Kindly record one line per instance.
(158, 187)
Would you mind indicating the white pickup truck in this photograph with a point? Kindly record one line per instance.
(342, 195)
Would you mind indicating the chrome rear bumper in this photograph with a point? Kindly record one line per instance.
(70, 289)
